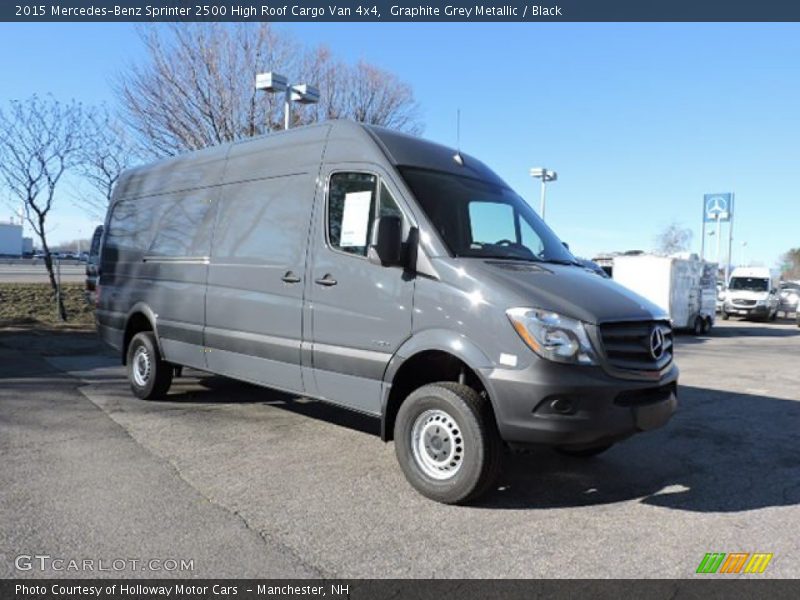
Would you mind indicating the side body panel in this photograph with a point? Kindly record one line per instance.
(155, 251)
(256, 272)
(359, 322)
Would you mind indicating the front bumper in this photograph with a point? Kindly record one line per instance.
(747, 311)
(600, 408)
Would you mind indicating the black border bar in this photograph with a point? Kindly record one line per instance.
(703, 587)
(400, 10)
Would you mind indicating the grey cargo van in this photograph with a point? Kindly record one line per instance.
(388, 275)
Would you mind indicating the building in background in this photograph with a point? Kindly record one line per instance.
(10, 239)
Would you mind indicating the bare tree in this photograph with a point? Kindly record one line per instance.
(40, 140)
(196, 87)
(790, 264)
(378, 97)
(106, 153)
(673, 238)
(363, 92)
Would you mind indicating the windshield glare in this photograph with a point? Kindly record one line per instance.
(483, 220)
(750, 284)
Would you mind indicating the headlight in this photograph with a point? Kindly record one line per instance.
(553, 336)
(761, 303)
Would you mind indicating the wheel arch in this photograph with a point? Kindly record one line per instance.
(435, 355)
(140, 318)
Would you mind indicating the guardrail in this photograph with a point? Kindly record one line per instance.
(32, 262)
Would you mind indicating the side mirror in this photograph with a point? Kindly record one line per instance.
(566, 245)
(388, 247)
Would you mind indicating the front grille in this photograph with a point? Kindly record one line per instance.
(627, 345)
(741, 302)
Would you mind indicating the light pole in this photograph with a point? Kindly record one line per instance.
(710, 234)
(545, 175)
(275, 84)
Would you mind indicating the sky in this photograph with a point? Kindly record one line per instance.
(639, 120)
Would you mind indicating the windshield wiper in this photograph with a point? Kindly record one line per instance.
(561, 261)
(512, 257)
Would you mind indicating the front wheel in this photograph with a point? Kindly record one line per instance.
(725, 316)
(447, 443)
(150, 376)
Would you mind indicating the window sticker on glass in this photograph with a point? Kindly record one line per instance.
(355, 220)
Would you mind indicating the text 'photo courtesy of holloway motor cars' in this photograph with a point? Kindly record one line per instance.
(389, 275)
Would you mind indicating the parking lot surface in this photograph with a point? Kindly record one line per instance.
(250, 482)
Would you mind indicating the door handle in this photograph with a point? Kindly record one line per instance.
(290, 277)
(326, 281)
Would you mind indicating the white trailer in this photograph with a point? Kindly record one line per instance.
(10, 239)
(684, 287)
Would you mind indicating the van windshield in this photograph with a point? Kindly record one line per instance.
(750, 284)
(483, 220)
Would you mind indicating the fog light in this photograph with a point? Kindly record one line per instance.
(561, 405)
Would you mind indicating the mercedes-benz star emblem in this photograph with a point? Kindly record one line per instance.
(656, 343)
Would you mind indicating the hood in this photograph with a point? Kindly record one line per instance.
(569, 290)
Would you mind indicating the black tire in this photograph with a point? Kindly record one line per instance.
(697, 329)
(583, 452)
(470, 437)
(153, 375)
(706, 326)
(725, 316)
(774, 316)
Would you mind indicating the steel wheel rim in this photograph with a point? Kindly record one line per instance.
(141, 366)
(437, 444)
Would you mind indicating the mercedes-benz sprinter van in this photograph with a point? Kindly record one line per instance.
(752, 293)
(388, 275)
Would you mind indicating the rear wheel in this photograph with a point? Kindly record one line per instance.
(447, 443)
(583, 452)
(150, 376)
(698, 327)
(706, 326)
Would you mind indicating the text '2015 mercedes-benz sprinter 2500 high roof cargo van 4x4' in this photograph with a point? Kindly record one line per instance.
(388, 275)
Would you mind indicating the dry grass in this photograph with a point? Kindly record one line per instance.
(34, 305)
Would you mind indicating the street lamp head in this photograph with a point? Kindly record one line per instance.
(305, 94)
(271, 82)
(545, 175)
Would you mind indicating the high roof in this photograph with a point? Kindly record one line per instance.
(342, 141)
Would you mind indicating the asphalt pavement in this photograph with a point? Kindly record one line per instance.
(249, 482)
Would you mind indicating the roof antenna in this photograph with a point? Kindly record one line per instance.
(457, 156)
